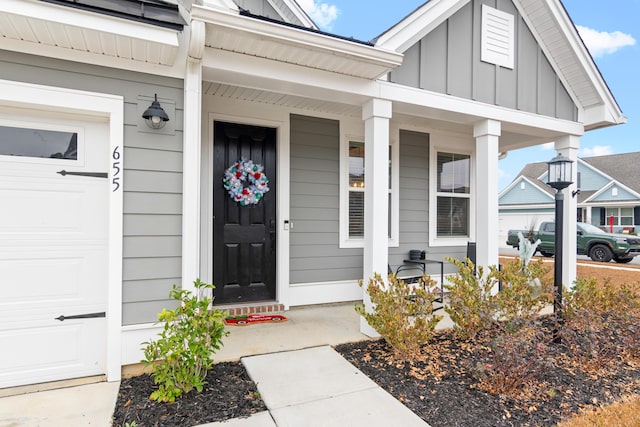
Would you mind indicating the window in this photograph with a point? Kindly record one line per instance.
(356, 189)
(38, 143)
(352, 211)
(453, 195)
(621, 216)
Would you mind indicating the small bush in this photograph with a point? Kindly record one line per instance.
(184, 352)
(402, 313)
(471, 305)
(515, 360)
(525, 292)
(600, 323)
(587, 294)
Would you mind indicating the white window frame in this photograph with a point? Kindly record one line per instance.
(352, 135)
(434, 149)
(619, 215)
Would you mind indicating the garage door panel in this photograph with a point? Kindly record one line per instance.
(33, 277)
(53, 254)
(41, 210)
(68, 347)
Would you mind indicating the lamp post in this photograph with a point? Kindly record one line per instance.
(558, 177)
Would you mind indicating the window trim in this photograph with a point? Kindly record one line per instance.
(434, 149)
(345, 241)
(619, 216)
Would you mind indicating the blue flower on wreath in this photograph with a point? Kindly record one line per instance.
(241, 173)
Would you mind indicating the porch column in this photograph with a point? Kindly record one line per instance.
(376, 114)
(568, 146)
(191, 157)
(487, 135)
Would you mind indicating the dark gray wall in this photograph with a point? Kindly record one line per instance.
(152, 173)
(315, 255)
(447, 60)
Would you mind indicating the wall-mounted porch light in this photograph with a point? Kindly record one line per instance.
(155, 116)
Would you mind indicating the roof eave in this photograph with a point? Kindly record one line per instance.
(372, 62)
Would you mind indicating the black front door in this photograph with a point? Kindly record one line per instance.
(244, 208)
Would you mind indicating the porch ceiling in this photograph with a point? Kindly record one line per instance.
(513, 136)
(33, 26)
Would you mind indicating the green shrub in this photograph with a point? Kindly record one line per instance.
(525, 292)
(471, 305)
(587, 294)
(600, 323)
(184, 352)
(402, 313)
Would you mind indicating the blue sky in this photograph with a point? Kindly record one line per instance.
(609, 28)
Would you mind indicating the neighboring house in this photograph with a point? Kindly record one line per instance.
(370, 149)
(609, 195)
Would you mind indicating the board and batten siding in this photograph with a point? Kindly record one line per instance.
(315, 253)
(447, 60)
(152, 173)
(525, 193)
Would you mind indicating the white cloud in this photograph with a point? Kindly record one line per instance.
(602, 43)
(322, 14)
(598, 150)
(548, 146)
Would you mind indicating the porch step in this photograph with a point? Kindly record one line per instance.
(237, 310)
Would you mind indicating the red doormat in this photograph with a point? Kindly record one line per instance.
(250, 319)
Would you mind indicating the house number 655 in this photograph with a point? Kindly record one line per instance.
(116, 169)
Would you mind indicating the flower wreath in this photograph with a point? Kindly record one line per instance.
(238, 174)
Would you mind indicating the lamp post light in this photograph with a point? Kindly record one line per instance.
(558, 177)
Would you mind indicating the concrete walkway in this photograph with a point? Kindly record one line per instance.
(318, 387)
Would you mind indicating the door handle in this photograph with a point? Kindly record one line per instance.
(62, 318)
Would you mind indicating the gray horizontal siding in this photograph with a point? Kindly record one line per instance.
(315, 255)
(152, 173)
(447, 60)
(414, 190)
(414, 206)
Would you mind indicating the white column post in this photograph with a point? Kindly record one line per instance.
(191, 157)
(376, 114)
(568, 146)
(487, 135)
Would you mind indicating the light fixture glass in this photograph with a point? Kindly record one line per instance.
(155, 116)
(559, 172)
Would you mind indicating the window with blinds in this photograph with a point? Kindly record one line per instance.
(453, 194)
(356, 190)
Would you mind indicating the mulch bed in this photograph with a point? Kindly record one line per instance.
(441, 389)
(229, 393)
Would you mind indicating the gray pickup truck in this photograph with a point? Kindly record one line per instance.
(592, 241)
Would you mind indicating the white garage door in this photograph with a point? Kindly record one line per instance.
(53, 247)
(520, 221)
